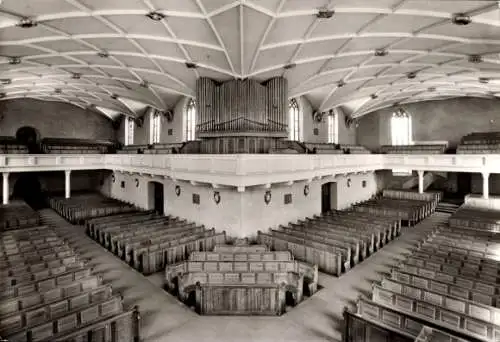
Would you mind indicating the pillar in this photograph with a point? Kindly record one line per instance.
(67, 183)
(486, 185)
(5, 188)
(420, 181)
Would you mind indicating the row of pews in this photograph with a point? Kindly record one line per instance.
(151, 149)
(17, 215)
(450, 282)
(326, 148)
(414, 149)
(83, 206)
(476, 219)
(149, 242)
(241, 280)
(76, 146)
(49, 293)
(339, 240)
(10, 145)
(480, 143)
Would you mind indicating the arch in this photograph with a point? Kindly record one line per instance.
(30, 137)
(190, 120)
(294, 120)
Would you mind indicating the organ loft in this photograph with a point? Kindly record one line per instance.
(245, 170)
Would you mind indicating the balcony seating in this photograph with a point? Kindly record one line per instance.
(450, 281)
(17, 215)
(413, 149)
(354, 149)
(151, 149)
(480, 143)
(48, 293)
(9, 145)
(87, 205)
(324, 148)
(336, 241)
(149, 242)
(241, 280)
(76, 146)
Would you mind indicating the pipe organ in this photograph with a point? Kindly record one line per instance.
(241, 116)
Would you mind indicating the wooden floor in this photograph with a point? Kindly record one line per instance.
(164, 318)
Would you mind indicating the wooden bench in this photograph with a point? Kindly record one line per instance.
(257, 249)
(329, 261)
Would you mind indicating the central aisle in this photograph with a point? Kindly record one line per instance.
(164, 318)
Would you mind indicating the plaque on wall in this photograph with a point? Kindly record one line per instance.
(170, 131)
(316, 131)
(123, 184)
(196, 198)
(288, 198)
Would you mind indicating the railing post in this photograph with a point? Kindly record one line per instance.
(136, 318)
(486, 185)
(420, 181)
(67, 183)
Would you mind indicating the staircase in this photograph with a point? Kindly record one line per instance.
(446, 207)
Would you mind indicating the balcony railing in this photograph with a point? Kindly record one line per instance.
(249, 169)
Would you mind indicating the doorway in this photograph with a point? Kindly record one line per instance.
(156, 197)
(326, 198)
(28, 188)
(464, 183)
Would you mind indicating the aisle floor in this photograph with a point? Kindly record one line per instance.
(164, 318)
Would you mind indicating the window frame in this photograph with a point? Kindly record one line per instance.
(190, 120)
(294, 120)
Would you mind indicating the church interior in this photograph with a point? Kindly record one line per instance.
(250, 170)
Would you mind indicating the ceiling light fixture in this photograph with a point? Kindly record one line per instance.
(156, 16)
(191, 65)
(114, 96)
(381, 52)
(5, 81)
(289, 66)
(374, 96)
(461, 19)
(14, 60)
(27, 23)
(324, 13)
(103, 54)
(475, 59)
(411, 75)
(484, 80)
(144, 84)
(76, 76)
(340, 83)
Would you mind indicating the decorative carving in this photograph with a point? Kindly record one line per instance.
(169, 115)
(217, 197)
(137, 182)
(113, 179)
(177, 190)
(267, 197)
(349, 182)
(306, 189)
(317, 116)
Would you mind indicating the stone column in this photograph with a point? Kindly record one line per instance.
(67, 183)
(486, 185)
(420, 181)
(5, 188)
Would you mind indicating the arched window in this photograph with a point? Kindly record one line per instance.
(190, 120)
(129, 131)
(333, 127)
(401, 128)
(155, 127)
(293, 120)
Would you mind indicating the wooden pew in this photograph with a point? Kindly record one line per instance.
(327, 260)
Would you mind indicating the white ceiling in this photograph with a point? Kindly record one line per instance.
(248, 38)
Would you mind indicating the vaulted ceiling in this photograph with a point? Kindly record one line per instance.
(121, 55)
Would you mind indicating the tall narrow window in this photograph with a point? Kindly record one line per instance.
(190, 120)
(293, 120)
(333, 128)
(129, 131)
(155, 127)
(401, 128)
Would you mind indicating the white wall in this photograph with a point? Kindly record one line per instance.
(242, 214)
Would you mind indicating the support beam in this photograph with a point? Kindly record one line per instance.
(486, 185)
(420, 181)
(5, 188)
(67, 184)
